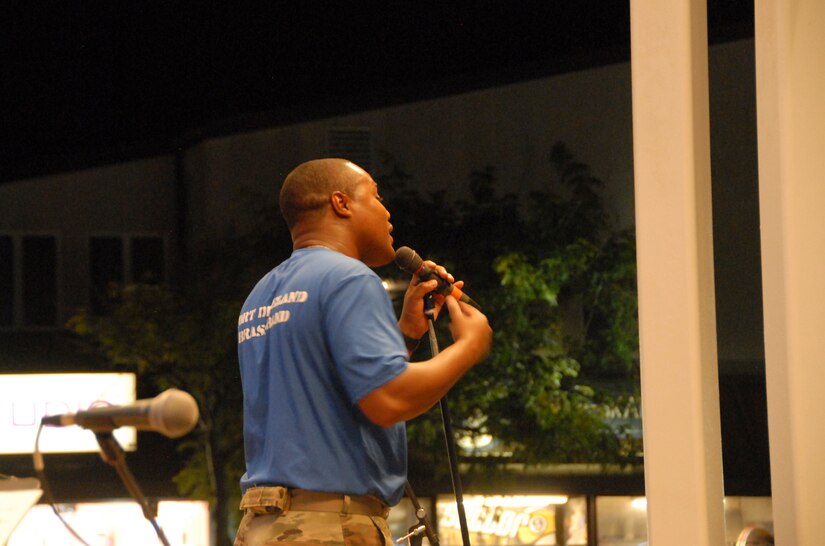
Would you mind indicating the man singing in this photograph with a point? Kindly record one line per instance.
(326, 379)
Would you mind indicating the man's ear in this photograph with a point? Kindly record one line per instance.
(340, 204)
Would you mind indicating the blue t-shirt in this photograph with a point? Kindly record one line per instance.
(316, 335)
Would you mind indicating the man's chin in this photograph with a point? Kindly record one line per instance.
(385, 258)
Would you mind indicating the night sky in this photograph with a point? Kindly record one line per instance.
(80, 78)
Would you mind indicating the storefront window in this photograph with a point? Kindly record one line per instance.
(621, 521)
(552, 520)
(498, 520)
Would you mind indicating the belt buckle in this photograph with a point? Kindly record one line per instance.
(346, 504)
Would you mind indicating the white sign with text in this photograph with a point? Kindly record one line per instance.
(26, 398)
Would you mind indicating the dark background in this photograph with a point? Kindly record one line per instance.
(83, 80)
(87, 82)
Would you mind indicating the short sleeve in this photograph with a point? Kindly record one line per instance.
(362, 334)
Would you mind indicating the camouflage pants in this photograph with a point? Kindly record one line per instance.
(268, 524)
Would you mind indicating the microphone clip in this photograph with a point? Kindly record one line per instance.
(429, 306)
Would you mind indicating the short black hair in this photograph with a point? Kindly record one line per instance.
(308, 187)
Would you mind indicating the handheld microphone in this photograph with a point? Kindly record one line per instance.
(173, 413)
(409, 260)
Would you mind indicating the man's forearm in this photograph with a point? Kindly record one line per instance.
(420, 386)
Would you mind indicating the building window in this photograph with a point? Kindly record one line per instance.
(39, 281)
(106, 271)
(117, 260)
(6, 281)
(147, 260)
(28, 281)
(353, 143)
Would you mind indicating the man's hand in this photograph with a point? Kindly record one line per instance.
(413, 322)
(470, 328)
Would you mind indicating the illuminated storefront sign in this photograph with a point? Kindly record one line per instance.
(510, 520)
(26, 398)
(185, 523)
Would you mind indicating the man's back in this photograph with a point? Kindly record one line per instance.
(315, 335)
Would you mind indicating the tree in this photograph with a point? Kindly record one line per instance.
(558, 284)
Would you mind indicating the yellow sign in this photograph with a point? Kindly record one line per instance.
(501, 520)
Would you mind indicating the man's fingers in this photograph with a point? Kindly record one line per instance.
(426, 286)
(452, 306)
(440, 270)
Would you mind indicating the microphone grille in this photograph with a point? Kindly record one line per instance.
(408, 259)
(173, 413)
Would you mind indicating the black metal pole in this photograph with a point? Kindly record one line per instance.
(112, 453)
(449, 437)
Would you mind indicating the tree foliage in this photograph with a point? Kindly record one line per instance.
(557, 281)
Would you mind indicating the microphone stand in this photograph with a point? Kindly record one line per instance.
(449, 437)
(414, 534)
(112, 454)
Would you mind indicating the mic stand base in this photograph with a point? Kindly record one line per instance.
(112, 454)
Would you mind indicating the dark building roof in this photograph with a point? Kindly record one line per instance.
(98, 82)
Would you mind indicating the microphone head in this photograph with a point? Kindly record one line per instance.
(173, 413)
(408, 259)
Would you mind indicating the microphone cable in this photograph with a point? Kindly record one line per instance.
(40, 470)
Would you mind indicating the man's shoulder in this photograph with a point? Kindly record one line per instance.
(323, 261)
(317, 271)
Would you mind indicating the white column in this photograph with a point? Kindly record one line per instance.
(790, 91)
(677, 319)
